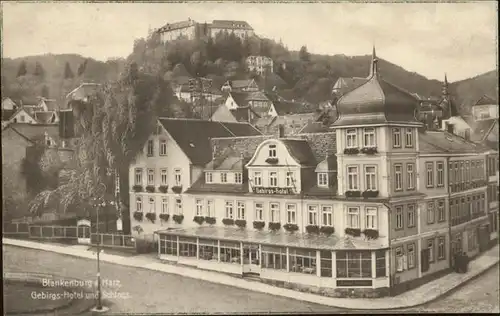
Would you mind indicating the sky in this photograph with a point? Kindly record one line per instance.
(428, 38)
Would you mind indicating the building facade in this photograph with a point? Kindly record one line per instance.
(259, 64)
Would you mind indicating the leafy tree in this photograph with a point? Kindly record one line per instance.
(304, 54)
(22, 70)
(68, 73)
(39, 71)
(82, 67)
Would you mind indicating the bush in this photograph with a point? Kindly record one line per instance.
(163, 188)
(274, 226)
(145, 246)
(312, 229)
(228, 221)
(178, 218)
(351, 151)
(138, 216)
(291, 227)
(352, 194)
(199, 219)
(164, 217)
(369, 150)
(370, 233)
(210, 220)
(355, 232)
(150, 189)
(151, 217)
(369, 194)
(177, 189)
(241, 223)
(327, 230)
(259, 224)
(137, 188)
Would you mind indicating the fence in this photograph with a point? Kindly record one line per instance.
(16, 229)
(113, 240)
(53, 232)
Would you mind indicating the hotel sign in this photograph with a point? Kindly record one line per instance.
(272, 191)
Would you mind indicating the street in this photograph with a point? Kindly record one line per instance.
(141, 291)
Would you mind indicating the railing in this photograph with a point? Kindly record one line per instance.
(16, 229)
(112, 240)
(53, 232)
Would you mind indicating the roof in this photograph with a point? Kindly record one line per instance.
(7, 114)
(270, 80)
(315, 127)
(485, 100)
(185, 88)
(176, 25)
(481, 129)
(227, 163)
(34, 132)
(300, 150)
(43, 117)
(230, 24)
(10, 126)
(440, 142)
(240, 84)
(283, 107)
(240, 98)
(241, 114)
(193, 136)
(83, 91)
(328, 164)
(349, 84)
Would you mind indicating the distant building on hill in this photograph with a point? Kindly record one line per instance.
(259, 64)
(191, 29)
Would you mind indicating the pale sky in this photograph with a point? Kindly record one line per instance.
(430, 38)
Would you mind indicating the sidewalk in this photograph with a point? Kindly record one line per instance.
(418, 296)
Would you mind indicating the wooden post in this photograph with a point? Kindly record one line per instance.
(374, 264)
(318, 263)
(334, 264)
(287, 260)
(218, 250)
(241, 253)
(197, 248)
(178, 250)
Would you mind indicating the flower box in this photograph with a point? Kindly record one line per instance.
(137, 188)
(274, 226)
(177, 189)
(369, 150)
(164, 217)
(312, 229)
(272, 161)
(327, 230)
(354, 232)
(210, 220)
(259, 224)
(199, 219)
(178, 218)
(138, 216)
(163, 188)
(291, 227)
(151, 217)
(351, 151)
(228, 221)
(370, 194)
(150, 188)
(350, 194)
(241, 223)
(370, 233)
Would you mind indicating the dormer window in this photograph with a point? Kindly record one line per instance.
(208, 177)
(351, 138)
(322, 179)
(369, 137)
(272, 151)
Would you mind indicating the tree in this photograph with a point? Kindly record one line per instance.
(45, 92)
(82, 67)
(68, 73)
(22, 70)
(39, 71)
(304, 54)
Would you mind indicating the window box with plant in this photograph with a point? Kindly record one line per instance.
(228, 221)
(370, 233)
(199, 219)
(312, 229)
(354, 232)
(150, 188)
(164, 217)
(369, 150)
(138, 216)
(327, 230)
(274, 226)
(178, 218)
(210, 220)
(151, 217)
(163, 188)
(272, 160)
(291, 227)
(351, 151)
(351, 194)
(177, 189)
(137, 188)
(259, 224)
(241, 223)
(370, 194)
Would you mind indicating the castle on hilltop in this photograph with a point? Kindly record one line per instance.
(191, 29)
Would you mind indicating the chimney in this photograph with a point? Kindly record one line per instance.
(281, 129)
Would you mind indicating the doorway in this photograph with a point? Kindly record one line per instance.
(251, 259)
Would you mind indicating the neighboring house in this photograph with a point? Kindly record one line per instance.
(283, 107)
(485, 108)
(184, 93)
(8, 104)
(247, 85)
(35, 114)
(270, 82)
(174, 31)
(25, 114)
(223, 114)
(239, 28)
(259, 64)
(457, 125)
(291, 123)
(83, 91)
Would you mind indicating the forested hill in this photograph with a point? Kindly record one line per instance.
(470, 90)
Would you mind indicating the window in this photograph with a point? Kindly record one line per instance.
(411, 255)
(441, 211)
(399, 259)
(467, 172)
(429, 180)
(138, 176)
(369, 137)
(272, 151)
(22, 118)
(398, 177)
(289, 179)
(168, 245)
(138, 204)
(275, 213)
(302, 261)
(396, 137)
(178, 206)
(409, 138)
(399, 217)
(327, 212)
(312, 213)
(410, 176)
(208, 249)
(430, 213)
(238, 177)
(440, 174)
(209, 177)
(290, 211)
(441, 248)
(259, 211)
(257, 179)
(163, 176)
(163, 147)
(240, 210)
(430, 246)
(223, 177)
(164, 205)
(322, 179)
(371, 218)
(351, 138)
(353, 217)
(352, 178)
(150, 148)
(210, 208)
(380, 269)
(370, 178)
(326, 263)
(229, 209)
(273, 179)
(152, 205)
(151, 177)
(354, 264)
(230, 252)
(178, 177)
(411, 215)
(199, 207)
(274, 258)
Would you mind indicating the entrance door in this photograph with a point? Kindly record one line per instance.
(251, 259)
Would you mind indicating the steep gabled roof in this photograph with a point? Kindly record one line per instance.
(439, 142)
(230, 24)
(240, 98)
(485, 100)
(83, 91)
(35, 131)
(7, 114)
(289, 107)
(348, 84)
(300, 150)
